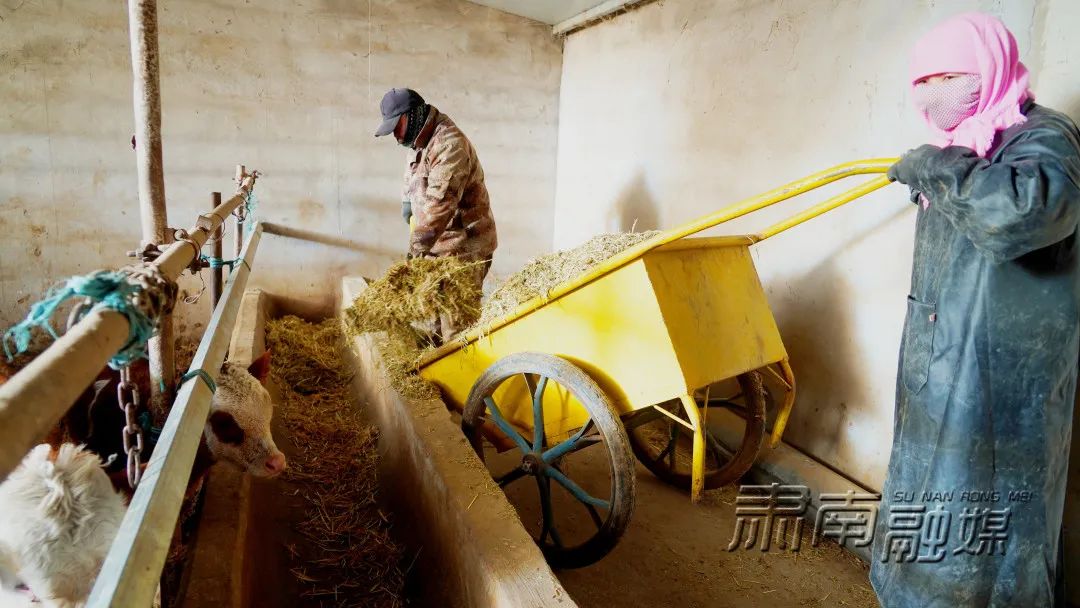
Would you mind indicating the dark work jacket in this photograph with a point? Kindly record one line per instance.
(987, 374)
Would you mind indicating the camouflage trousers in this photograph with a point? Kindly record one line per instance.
(446, 327)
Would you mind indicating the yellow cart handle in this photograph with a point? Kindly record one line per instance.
(783, 193)
(811, 182)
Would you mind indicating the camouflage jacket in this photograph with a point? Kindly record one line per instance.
(444, 183)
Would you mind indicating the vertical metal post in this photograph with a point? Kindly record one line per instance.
(142, 22)
(215, 252)
(239, 231)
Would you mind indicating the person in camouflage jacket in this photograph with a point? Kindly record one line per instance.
(444, 197)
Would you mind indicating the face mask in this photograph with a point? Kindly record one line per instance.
(414, 123)
(949, 102)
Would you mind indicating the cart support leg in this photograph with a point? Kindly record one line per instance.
(789, 401)
(697, 464)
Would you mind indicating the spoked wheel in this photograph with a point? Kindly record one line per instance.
(663, 445)
(575, 522)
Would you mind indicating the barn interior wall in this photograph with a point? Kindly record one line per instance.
(683, 106)
(290, 89)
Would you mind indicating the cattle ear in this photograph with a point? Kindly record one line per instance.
(260, 368)
(225, 427)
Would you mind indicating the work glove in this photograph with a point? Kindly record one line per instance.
(905, 169)
(914, 195)
(406, 210)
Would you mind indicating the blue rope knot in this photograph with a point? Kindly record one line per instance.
(151, 432)
(216, 262)
(250, 205)
(109, 289)
(200, 373)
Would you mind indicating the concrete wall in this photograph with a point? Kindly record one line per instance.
(681, 106)
(472, 549)
(289, 88)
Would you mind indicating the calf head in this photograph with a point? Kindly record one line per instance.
(238, 428)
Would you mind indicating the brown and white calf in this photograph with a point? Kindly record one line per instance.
(59, 511)
(238, 427)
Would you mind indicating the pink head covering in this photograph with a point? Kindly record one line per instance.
(975, 43)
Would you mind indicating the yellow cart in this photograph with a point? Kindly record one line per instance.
(626, 356)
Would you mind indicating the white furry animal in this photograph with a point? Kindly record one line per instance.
(60, 513)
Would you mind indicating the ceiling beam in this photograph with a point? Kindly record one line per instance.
(593, 15)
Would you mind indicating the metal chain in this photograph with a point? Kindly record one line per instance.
(127, 395)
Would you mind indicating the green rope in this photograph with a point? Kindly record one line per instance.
(151, 432)
(216, 262)
(251, 204)
(110, 290)
(202, 375)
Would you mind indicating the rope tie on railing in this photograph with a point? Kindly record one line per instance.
(251, 204)
(201, 374)
(153, 433)
(139, 292)
(216, 262)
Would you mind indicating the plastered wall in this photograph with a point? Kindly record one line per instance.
(677, 108)
(289, 88)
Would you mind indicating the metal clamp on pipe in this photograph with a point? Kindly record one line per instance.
(53, 380)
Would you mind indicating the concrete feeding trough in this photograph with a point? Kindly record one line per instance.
(463, 541)
(466, 530)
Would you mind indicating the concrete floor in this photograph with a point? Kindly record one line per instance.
(674, 553)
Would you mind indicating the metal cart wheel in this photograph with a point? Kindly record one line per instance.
(598, 520)
(663, 445)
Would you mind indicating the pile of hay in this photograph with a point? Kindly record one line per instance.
(411, 294)
(401, 354)
(355, 561)
(542, 274)
(415, 292)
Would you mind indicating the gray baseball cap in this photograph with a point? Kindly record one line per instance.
(395, 103)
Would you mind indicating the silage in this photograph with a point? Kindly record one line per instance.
(416, 292)
(546, 272)
(411, 294)
(352, 561)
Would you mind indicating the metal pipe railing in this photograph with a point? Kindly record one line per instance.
(132, 568)
(33, 400)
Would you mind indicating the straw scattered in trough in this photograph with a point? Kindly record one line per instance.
(355, 562)
(312, 361)
(542, 274)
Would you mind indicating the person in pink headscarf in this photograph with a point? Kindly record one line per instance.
(972, 505)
